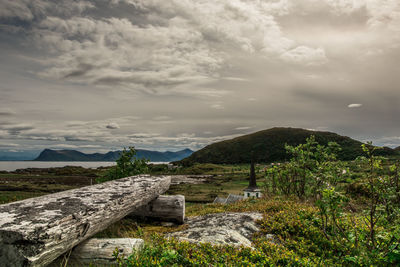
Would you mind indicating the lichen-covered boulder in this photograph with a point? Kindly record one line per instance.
(234, 228)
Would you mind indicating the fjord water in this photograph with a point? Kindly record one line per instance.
(14, 165)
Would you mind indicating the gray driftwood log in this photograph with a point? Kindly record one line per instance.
(35, 231)
(163, 208)
(100, 250)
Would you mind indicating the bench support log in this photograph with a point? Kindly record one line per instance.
(99, 251)
(163, 208)
(34, 232)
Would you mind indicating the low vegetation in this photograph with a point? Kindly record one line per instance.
(317, 211)
(310, 214)
(33, 182)
(298, 240)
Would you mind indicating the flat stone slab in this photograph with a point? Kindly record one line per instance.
(189, 179)
(234, 228)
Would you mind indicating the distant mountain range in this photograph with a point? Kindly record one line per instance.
(269, 146)
(18, 155)
(73, 155)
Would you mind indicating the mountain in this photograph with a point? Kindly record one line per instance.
(73, 155)
(269, 146)
(18, 155)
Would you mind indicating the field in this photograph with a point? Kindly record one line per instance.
(36, 182)
(325, 223)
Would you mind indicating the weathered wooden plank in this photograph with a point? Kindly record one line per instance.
(100, 250)
(163, 208)
(35, 231)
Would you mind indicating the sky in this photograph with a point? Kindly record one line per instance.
(166, 75)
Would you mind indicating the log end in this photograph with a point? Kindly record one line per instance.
(16, 250)
(163, 208)
(101, 250)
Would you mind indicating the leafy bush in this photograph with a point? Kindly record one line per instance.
(312, 168)
(314, 172)
(127, 165)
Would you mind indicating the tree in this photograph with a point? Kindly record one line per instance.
(312, 168)
(127, 165)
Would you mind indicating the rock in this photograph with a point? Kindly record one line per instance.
(219, 200)
(230, 199)
(167, 224)
(221, 229)
(189, 179)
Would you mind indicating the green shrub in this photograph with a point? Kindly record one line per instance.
(298, 240)
(312, 168)
(163, 252)
(127, 165)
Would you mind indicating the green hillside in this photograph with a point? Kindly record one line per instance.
(269, 146)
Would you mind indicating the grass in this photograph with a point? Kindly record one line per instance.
(227, 179)
(144, 229)
(232, 181)
(37, 182)
(294, 223)
(12, 196)
(132, 228)
(299, 240)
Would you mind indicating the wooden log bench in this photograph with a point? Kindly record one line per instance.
(36, 231)
(163, 208)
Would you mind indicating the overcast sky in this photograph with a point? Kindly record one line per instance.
(166, 75)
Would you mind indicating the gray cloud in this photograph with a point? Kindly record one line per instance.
(6, 112)
(2, 144)
(174, 74)
(29, 10)
(112, 126)
(117, 52)
(15, 129)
